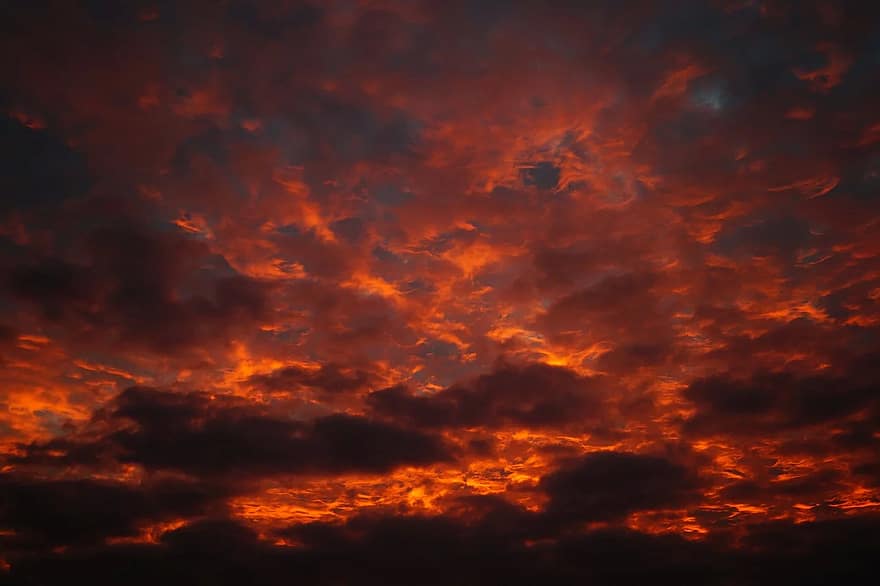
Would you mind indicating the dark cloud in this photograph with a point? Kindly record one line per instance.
(47, 513)
(37, 167)
(780, 237)
(543, 175)
(809, 488)
(350, 229)
(443, 551)
(273, 22)
(817, 553)
(8, 334)
(566, 266)
(54, 285)
(320, 258)
(153, 290)
(627, 358)
(769, 402)
(210, 144)
(608, 485)
(323, 128)
(608, 308)
(329, 377)
(531, 395)
(214, 436)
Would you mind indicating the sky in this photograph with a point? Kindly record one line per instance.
(439, 293)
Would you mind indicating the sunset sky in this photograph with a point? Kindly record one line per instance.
(435, 292)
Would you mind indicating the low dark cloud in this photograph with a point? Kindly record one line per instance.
(531, 395)
(39, 514)
(329, 377)
(37, 168)
(543, 175)
(212, 437)
(148, 289)
(608, 485)
(623, 307)
(431, 551)
(778, 237)
(769, 402)
(807, 488)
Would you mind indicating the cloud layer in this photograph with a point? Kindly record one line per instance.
(461, 292)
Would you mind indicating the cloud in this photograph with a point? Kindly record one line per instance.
(328, 377)
(609, 310)
(207, 436)
(810, 487)
(45, 513)
(543, 175)
(441, 551)
(39, 168)
(434, 288)
(769, 402)
(155, 291)
(607, 485)
(533, 395)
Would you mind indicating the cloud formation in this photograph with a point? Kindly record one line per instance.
(462, 292)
